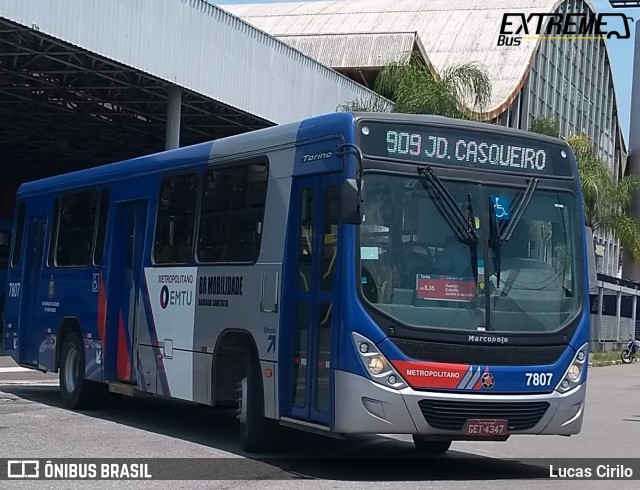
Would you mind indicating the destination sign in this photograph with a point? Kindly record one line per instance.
(464, 148)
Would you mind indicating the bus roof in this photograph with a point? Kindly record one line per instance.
(189, 155)
(180, 157)
(164, 160)
(461, 123)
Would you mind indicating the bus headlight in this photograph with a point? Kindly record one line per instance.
(376, 364)
(574, 372)
(377, 367)
(576, 369)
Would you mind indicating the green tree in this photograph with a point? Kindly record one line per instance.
(607, 201)
(367, 104)
(548, 125)
(415, 89)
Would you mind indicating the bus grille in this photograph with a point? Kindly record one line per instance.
(452, 415)
(492, 355)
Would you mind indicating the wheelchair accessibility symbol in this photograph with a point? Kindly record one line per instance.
(501, 207)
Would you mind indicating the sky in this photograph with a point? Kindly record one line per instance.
(620, 55)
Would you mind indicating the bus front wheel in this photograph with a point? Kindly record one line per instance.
(255, 433)
(431, 447)
(75, 390)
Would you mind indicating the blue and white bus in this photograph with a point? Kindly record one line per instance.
(350, 273)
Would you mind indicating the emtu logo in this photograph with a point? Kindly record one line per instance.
(169, 297)
(164, 297)
(517, 26)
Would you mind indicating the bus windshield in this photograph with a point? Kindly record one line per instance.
(420, 266)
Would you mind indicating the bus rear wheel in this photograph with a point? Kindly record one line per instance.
(255, 429)
(76, 392)
(431, 447)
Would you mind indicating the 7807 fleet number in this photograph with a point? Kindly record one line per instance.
(539, 379)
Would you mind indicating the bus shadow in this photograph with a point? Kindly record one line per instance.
(295, 455)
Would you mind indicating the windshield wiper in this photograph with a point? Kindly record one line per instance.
(498, 237)
(462, 226)
(520, 208)
(495, 240)
(473, 250)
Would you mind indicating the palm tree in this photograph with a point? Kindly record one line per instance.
(548, 125)
(460, 91)
(607, 201)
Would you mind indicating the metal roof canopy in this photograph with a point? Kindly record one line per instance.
(360, 56)
(85, 83)
(63, 108)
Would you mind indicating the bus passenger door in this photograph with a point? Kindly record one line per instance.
(31, 298)
(126, 277)
(312, 275)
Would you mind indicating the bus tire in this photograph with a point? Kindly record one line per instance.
(431, 447)
(76, 391)
(255, 434)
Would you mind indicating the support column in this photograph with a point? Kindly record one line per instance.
(174, 109)
(634, 305)
(618, 304)
(600, 302)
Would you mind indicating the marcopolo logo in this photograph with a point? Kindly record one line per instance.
(517, 26)
(487, 339)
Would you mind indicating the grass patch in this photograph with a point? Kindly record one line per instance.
(613, 355)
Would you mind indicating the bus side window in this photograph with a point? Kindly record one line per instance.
(16, 259)
(175, 222)
(330, 236)
(305, 240)
(76, 228)
(53, 235)
(102, 227)
(232, 214)
(5, 243)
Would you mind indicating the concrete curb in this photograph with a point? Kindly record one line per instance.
(610, 363)
(604, 363)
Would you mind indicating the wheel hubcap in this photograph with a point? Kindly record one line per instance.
(71, 369)
(241, 412)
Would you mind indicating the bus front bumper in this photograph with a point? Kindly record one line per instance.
(365, 407)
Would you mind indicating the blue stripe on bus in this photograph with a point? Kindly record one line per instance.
(153, 335)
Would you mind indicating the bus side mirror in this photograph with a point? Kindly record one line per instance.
(351, 203)
(591, 259)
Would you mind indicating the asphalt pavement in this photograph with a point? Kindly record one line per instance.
(34, 425)
(11, 373)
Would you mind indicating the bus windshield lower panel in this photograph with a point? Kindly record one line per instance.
(419, 265)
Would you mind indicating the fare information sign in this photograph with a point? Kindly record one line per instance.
(463, 147)
(448, 288)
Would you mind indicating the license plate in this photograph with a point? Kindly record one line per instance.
(484, 427)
